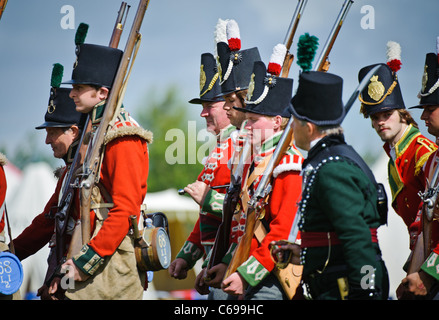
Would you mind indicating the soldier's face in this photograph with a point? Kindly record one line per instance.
(86, 97)
(215, 116)
(261, 127)
(389, 125)
(302, 134)
(236, 117)
(60, 140)
(431, 117)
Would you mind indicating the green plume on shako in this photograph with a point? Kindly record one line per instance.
(81, 33)
(306, 51)
(57, 74)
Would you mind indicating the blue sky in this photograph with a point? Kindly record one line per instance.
(176, 32)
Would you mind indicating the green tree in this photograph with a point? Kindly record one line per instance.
(168, 118)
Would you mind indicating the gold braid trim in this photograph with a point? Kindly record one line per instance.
(212, 82)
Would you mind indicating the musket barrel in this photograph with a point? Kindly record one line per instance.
(294, 23)
(118, 26)
(333, 35)
(290, 35)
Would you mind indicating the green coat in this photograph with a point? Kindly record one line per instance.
(338, 197)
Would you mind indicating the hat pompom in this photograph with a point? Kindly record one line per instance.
(277, 59)
(57, 74)
(233, 35)
(394, 56)
(306, 51)
(81, 33)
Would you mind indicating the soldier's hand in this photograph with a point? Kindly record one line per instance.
(283, 251)
(234, 284)
(44, 294)
(215, 275)
(74, 272)
(415, 284)
(178, 269)
(197, 191)
(201, 287)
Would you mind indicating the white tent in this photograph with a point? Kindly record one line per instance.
(393, 238)
(170, 202)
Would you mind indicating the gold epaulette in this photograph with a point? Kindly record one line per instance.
(420, 161)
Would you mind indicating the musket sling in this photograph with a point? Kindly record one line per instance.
(290, 276)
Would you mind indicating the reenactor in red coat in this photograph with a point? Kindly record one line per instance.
(216, 172)
(3, 187)
(407, 148)
(121, 188)
(63, 129)
(266, 114)
(423, 277)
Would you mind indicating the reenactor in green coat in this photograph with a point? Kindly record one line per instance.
(338, 210)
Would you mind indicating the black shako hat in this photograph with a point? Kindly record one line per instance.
(383, 92)
(234, 65)
(429, 94)
(61, 111)
(210, 88)
(95, 65)
(319, 98)
(268, 94)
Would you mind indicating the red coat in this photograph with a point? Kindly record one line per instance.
(406, 177)
(216, 172)
(430, 166)
(279, 213)
(3, 187)
(431, 264)
(124, 174)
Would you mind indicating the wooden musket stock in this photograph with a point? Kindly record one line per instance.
(2, 7)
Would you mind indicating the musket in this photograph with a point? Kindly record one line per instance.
(114, 101)
(430, 205)
(290, 36)
(323, 62)
(119, 25)
(2, 7)
(182, 192)
(62, 215)
(221, 244)
(257, 202)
